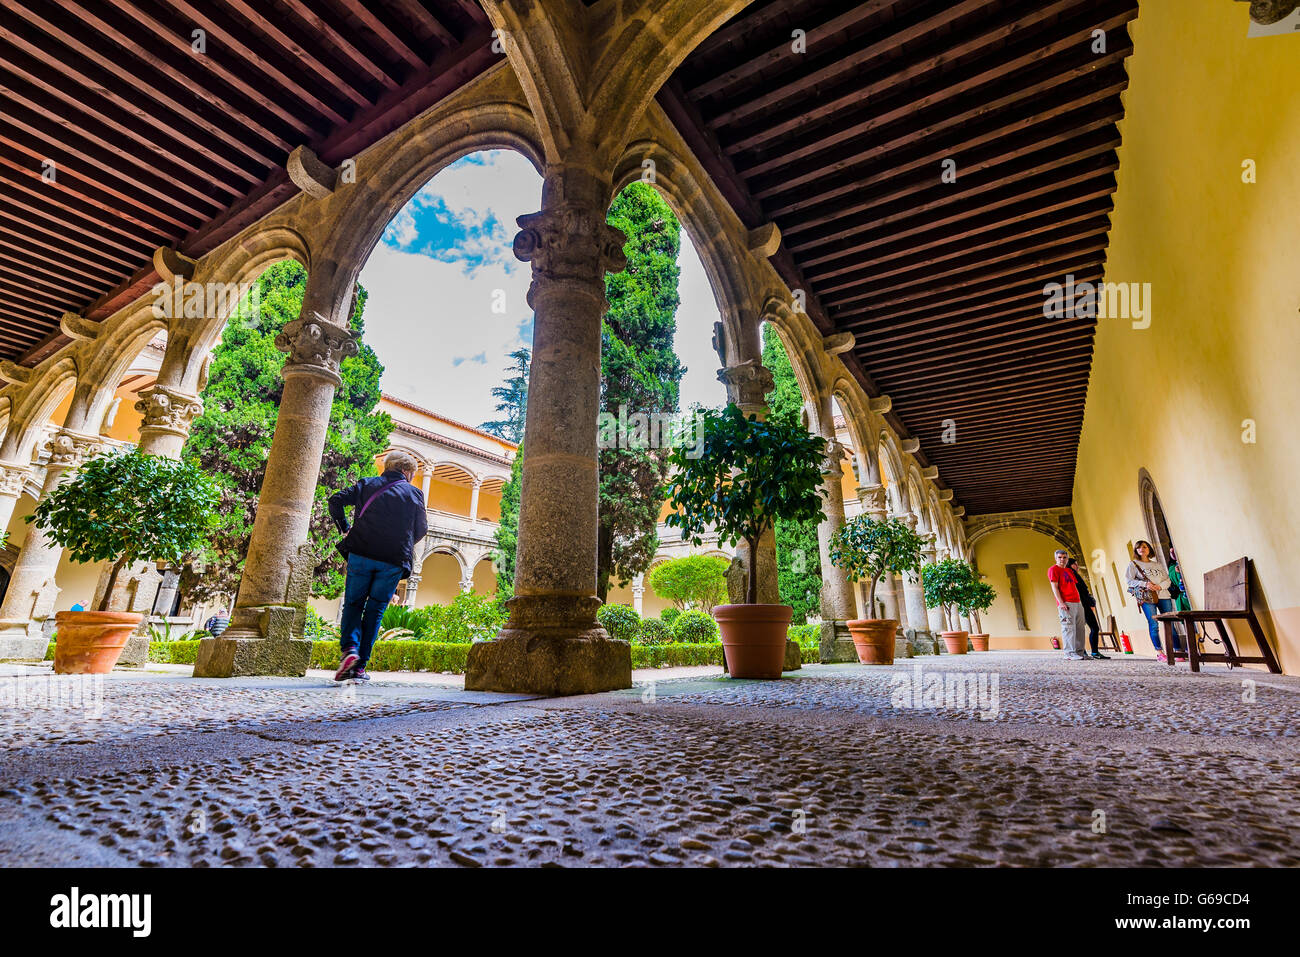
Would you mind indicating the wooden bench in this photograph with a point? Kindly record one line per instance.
(1227, 595)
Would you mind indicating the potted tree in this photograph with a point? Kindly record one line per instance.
(124, 508)
(867, 549)
(979, 599)
(738, 480)
(947, 585)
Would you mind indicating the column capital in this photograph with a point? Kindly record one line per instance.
(873, 500)
(316, 346)
(13, 477)
(748, 384)
(68, 449)
(569, 241)
(168, 410)
(832, 463)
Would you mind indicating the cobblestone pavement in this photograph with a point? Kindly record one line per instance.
(1109, 763)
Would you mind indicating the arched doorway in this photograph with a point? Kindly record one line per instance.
(1153, 514)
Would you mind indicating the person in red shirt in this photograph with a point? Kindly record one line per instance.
(1070, 607)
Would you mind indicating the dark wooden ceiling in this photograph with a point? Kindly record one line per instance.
(153, 143)
(843, 146)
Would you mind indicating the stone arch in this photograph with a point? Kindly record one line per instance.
(443, 547)
(859, 421)
(982, 527)
(358, 213)
(1154, 516)
(891, 459)
(35, 403)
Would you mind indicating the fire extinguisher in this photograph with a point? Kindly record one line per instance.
(1123, 640)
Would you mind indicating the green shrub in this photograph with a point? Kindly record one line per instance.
(180, 652)
(467, 619)
(806, 636)
(49, 651)
(676, 655)
(318, 629)
(670, 615)
(697, 581)
(621, 621)
(653, 632)
(694, 627)
(418, 621)
(398, 656)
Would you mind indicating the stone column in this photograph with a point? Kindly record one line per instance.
(934, 616)
(918, 618)
(836, 644)
(13, 477)
(32, 590)
(266, 625)
(426, 484)
(168, 414)
(552, 643)
(473, 502)
(467, 582)
(412, 586)
(638, 593)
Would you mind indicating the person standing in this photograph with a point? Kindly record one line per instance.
(1148, 582)
(1089, 609)
(388, 520)
(1070, 606)
(216, 625)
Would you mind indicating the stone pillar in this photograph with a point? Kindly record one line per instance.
(552, 643)
(918, 617)
(168, 414)
(473, 502)
(426, 484)
(467, 583)
(266, 625)
(13, 477)
(32, 590)
(412, 586)
(638, 593)
(935, 616)
(748, 384)
(836, 644)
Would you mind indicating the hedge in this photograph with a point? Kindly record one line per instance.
(677, 655)
(174, 652)
(807, 636)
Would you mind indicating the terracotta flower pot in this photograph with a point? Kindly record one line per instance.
(90, 642)
(980, 642)
(753, 638)
(874, 639)
(956, 641)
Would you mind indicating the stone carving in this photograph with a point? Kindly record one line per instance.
(168, 410)
(747, 383)
(569, 242)
(720, 342)
(69, 449)
(314, 343)
(43, 599)
(873, 500)
(832, 463)
(13, 478)
(737, 581)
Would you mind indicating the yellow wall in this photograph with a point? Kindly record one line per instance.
(1224, 338)
(1015, 545)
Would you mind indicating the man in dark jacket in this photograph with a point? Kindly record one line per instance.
(388, 520)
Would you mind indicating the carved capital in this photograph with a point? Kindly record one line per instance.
(569, 242)
(13, 478)
(315, 344)
(69, 449)
(747, 383)
(873, 500)
(168, 410)
(832, 464)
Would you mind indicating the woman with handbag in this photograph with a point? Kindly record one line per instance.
(1148, 582)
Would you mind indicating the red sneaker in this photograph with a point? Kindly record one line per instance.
(1160, 656)
(346, 665)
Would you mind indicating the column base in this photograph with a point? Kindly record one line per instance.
(836, 644)
(241, 657)
(21, 647)
(902, 648)
(922, 642)
(135, 654)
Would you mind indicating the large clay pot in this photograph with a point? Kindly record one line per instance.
(90, 642)
(980, 642)
(955, 642)
(753, 638)
(874, 639)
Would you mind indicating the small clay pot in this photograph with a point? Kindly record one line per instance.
(979, 642)
(90, 642)
(753, 638)
(874, 639)
(955, 641)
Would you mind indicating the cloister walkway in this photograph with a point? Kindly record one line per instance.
(1121, 762)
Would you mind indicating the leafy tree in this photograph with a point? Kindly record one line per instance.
(867, 548)
(749, 474)
(640, 373)
(232, 438)
(798, 554)
(129, 507)
(692, 580)
(507, 533)
(952, 583)
(512, 399)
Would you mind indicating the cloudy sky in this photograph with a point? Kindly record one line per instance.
(447, 296)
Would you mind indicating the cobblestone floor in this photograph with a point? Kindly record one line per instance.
(1109, 763)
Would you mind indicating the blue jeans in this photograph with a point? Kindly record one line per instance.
(1150, 609)
(369, 589)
